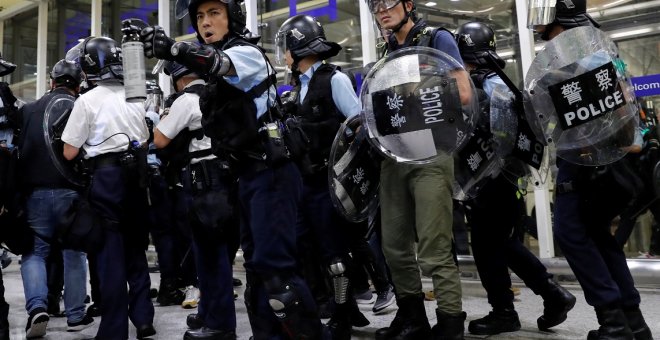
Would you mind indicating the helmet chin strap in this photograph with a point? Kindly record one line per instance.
(405, 19)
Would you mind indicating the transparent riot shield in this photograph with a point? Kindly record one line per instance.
(411, 104)
(580, 98)
(354, 172)
(55, 119)
(477, 162)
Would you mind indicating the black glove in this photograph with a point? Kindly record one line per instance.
(156, 43)
(201, 59)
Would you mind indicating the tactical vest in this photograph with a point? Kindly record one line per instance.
(321, 118)
(479, 76)
(420, 35)
(229, 115)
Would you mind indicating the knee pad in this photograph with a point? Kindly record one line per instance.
(338, 272)
(282, 297)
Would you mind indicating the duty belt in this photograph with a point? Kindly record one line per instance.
(201, 176)
(105, 160)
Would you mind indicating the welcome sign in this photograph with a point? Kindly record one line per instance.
(647, 86)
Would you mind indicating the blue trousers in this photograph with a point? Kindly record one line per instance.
(122, 258)
(582, 220)
(317, 215)
(214, 271)
(496, 247)
(269, 207)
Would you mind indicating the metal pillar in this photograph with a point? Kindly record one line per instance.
(42, 49)
(368, 35)
(541, 193)
(164, 22)
(97, 9)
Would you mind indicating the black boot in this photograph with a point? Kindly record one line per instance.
(613, 325)
(4, 320)
(449, 326)
(169, 294)
(340, 322)
(500, 320)
(557, 301)
(208, 334)
(194, 321)
(637, 323)
(410, 322)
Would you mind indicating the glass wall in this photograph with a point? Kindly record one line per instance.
(20, 47)
(340, 20)
(500, 15)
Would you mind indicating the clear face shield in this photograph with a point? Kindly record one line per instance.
(280, 56)
(376, 6)
(75, 54)
(540, 13)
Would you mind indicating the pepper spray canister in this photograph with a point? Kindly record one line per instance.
(133, 60)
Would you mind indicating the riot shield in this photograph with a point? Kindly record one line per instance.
(580, 98)
(412, 107)
(354, 172)
(55, 118)
(477, 161)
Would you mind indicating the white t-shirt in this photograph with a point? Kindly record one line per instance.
(185, 113)
(102, 121)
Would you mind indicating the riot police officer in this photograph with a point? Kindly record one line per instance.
(495, 245)
(323, 98)
(111, 134)
(7, 101)
(419, 195)
(49, 194)
(587, 199)
(239, 115)
(207, 181)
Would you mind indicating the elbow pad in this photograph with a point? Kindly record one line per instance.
(201, 59)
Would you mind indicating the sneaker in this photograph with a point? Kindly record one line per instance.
(515, 291)
(192, 298)
(365, 298)
(647, 255)
(429, 296)
(80, 325)
(36, 324)
(383, 300)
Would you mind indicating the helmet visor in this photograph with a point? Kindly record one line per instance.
(280, 48)
(540, 12)
(376, 6)
(181, 7)
(76, 52)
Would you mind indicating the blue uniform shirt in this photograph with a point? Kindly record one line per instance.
(251, 69)
(343, 93)
(490, 83)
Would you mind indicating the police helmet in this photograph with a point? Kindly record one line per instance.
(303, 35)
(176, 70)
(237, 18)
(67, 72)
(376, 6)
(6, 67)
(573, 13)
(476, 41)
(100, 58)
(567, 13)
